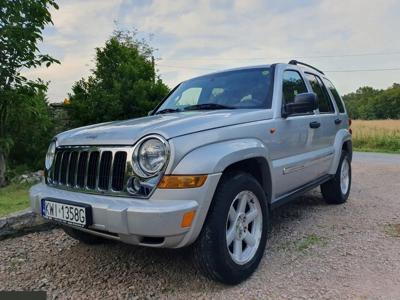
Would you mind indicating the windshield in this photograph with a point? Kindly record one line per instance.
(248, 88)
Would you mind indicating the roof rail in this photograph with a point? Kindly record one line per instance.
(296, 62)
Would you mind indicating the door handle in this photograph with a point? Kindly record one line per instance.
(338, 121)
(315, 124)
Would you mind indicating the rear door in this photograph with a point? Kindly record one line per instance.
(342, 118)
(327, 116)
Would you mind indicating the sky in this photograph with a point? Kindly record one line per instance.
(197, 37)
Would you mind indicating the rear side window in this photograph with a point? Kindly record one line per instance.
(292, 85)
(324, 102)
(335, 95)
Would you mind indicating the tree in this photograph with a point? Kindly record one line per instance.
(123, 83)
(358, 103)
(32, 135)
(369, 103)
(21, 25)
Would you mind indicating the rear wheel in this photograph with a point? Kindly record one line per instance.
(84, 237)
(337, 190)
(233, 239)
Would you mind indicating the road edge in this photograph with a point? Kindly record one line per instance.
(21, 223)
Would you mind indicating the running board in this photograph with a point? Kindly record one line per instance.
(286, 198)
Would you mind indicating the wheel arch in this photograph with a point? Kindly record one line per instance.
(342, 142)
(348, 147)
(248, 155)
(257, 167)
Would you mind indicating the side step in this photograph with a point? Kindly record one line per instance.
(286, 198)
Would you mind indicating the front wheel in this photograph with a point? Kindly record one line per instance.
(232, 242)
(337, 190)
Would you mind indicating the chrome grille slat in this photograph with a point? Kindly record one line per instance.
(111, 171)
(86, 170)
(92, 169)
(98, 170)
(76, 170)
(67, 167)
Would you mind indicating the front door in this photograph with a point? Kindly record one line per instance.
(294, 145)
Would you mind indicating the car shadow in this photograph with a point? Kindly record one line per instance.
(172, 270)
(298, 208)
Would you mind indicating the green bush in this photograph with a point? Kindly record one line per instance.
(31, 126)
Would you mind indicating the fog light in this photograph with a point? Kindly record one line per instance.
(134, 185)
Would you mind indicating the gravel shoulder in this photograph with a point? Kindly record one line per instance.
(315, 250)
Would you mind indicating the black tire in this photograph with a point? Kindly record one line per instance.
(210, 251)
(331, 190)
(84, 237)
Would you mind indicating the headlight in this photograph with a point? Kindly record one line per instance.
(150, 156)
(50, 155)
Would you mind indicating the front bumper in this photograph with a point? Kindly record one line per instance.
(152, 222)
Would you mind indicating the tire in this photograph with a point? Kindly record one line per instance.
(212, 254)
(84, 237)
(336, 190)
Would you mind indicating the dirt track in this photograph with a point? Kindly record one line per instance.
(315, 251)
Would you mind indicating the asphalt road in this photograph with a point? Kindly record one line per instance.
(376, 158)
(316, 250)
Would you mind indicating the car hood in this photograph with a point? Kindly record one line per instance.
(167, 125)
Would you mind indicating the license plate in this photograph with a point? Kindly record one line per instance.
(67, 212)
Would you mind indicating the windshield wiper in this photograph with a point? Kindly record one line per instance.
(207, 106)
(204, 106)
(168, 110)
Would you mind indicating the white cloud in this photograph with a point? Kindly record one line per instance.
(217, 34)
(79, 27)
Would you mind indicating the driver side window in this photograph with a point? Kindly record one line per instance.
(292, 85)
(189, 97)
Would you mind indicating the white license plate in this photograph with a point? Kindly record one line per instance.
(65, 213)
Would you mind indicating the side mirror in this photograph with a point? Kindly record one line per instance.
(150, 112)
(303, 103)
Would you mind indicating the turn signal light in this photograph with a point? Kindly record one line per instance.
(187, 219)
(182, 181)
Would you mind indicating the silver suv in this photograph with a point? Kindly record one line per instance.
(205, 168)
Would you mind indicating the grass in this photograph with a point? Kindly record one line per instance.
(13, 197)
(376, 135)
(305, 243)
(309, 241)
(392, 230)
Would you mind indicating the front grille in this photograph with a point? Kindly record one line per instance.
(93, 169)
